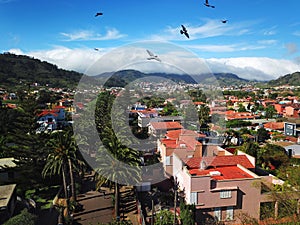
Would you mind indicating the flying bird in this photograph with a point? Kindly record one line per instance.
(224, 21)
(184, 31)
(98, 14)
(208, 5)
(152, 56)
(96, 49)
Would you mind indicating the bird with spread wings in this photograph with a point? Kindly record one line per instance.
(184, 31)
(152, 56)
(208, 5)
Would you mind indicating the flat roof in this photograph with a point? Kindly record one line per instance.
(6, 192)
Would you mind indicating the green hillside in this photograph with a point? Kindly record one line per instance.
(289, 79)
(19, 70)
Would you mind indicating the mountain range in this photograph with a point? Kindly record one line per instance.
(20, 70)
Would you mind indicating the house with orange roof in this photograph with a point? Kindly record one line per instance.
(280, 108)
(186, 144)
(278, 126)
(232, 115)
(145, 116)
(220, 187)
(292, 111)
(159, 129)
(50, 119)
(220, 184)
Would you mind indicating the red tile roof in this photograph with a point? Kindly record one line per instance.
(274, 125)
(166, 125)
(223, 173)
(169, 143)
(219, 161)
(174, 134)
(47, 112)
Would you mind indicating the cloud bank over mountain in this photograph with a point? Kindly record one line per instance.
(174, 60)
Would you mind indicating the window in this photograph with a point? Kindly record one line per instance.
(225, 194)
(168, 161)
(217, 213)
(194, 198)
(229, 213)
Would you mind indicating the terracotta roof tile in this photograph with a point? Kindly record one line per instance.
(166, 125)
(219, 161)
(226, 173)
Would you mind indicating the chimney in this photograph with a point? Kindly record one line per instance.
(221, 153)
(202, 165)
(198, 150)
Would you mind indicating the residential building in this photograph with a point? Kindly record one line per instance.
(159, 129)
(6, 169)
(8, 200)
(221, 187)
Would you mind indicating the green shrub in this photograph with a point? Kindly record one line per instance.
(24, 218)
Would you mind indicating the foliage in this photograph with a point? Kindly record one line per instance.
(237, 123)
(26, 147)
(262, 135)
(116, 162)
(273, 155)
(164, 217)
(169, 110)
(270, 111)
(22, 71)
(64, 159)
(24, 218)
(240, 94)
(197, 95)
(241, 108)
(251, 148)
(203, 114)
(289, 79)
(246, 219)
(187, 214)
(153, 101)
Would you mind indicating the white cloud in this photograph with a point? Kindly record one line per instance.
(270, 31)
(260, 68)
(267, 42)
(16, 51)
(225, 48)
(175, 59)
(88, 35)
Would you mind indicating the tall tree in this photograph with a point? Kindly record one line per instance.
(63, 159)
(270, 111)
(117, 163)
(26, 146)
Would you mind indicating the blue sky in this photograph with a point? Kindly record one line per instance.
(261, 36)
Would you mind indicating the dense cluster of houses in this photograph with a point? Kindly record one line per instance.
(219, 183)
(222, 185)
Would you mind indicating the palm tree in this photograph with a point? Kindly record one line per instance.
(116, 164)
(64, 152)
